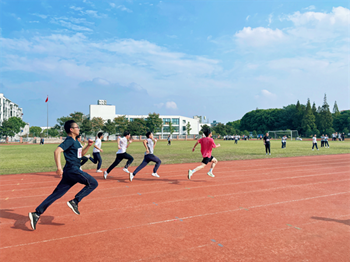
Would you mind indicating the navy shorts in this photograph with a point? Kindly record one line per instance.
(206, 160)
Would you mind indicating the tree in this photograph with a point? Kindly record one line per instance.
(154, 123)
(188, 128)
(308, 121)
(63, 120)
(11, 127)
(342, 121)
(109, 127)
(121, 123)
(53, 132)
(336, 109)
(137, 127)
(325, 119)
(220, 129)
(171, 128)
(35, 131)
(86, 127)
(299, 112)
(254, 133)
(78, 117)
(97, 124)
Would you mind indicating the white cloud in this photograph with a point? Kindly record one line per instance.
(247, 18)
(100, 81)
(160, 105)
(171, 105)
(41, 16)
(268, 94)
(259, 36)
(311, 7)
(338, 16)
(76, 8)
(121, 7)
(270, 20)
(94, 13)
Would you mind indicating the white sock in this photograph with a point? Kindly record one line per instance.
(211, 170)
(194, 170)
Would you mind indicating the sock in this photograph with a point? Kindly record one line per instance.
(211, 170)
(194, 170)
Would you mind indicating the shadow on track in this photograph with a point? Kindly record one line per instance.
(21, 220)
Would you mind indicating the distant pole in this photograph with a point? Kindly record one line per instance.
(47, 119)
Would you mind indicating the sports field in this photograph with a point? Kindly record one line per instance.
(270, 209)
(16, 159)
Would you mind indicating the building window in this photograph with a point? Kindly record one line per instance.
(176, 129)
(166, 129)
(166, 121)
(175, 121)
(131, 119)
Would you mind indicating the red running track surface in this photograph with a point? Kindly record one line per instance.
(280, 209)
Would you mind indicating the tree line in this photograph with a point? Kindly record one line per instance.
(306, 119)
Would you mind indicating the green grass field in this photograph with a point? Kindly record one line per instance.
(16, 159)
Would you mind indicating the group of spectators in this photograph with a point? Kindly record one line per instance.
(339, 136)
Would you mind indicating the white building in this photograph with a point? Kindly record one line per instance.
(9, 109)
(178, 122)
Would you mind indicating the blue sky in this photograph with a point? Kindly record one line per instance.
(216, 58)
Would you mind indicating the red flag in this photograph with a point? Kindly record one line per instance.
(47, 99)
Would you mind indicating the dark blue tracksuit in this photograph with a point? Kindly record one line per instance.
(71, 175)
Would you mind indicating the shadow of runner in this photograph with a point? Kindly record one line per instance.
(345, 222)
(21, 220)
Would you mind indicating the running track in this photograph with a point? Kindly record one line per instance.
(281, 209)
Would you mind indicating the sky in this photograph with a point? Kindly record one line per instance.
(215, 58)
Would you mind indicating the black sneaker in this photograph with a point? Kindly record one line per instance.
(34, 218)
(73, 206)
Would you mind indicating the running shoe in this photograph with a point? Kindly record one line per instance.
(73, 206)
(131, 176)
(126, 170)
(155, 175)
(34, 218)
(190, 173)
(210, 174)
(105, 174)
(99, 171)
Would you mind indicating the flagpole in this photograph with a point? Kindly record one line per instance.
(48, 117)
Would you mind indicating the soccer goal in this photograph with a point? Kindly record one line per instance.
(291, 134)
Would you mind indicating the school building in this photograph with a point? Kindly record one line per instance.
(178, 122)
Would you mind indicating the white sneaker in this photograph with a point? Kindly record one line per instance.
(105, 174)
(88, 156)
(190, 173)
(270, 154)
(126, 170)
(155, 175)
(210, 174)
(99, 171)
(131, 176)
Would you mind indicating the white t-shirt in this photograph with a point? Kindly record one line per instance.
(123, 142)
(150, 146)
(98, 143)
(314, 140)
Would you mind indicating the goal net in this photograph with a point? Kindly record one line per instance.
(291, 134)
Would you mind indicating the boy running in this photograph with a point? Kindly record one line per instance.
(207, 145)
(84, 159)
(149, 144)
(96, 152)
(121, 154)
(71, 173)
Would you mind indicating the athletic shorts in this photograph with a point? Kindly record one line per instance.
(206, 160)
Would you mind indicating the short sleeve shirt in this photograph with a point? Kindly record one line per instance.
(207, 145)
(150, 145)
(267, 139)
(72, 151)
(123, 142)
(98, 143)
